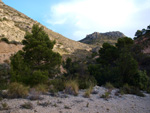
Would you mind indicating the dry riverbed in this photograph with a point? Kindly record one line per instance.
(63, 103)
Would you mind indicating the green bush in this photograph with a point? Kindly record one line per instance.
(140, 80)
(126, 89)
(118, 65)
(14, 42)
(38, 77)
(17, 90)
(4, 76)
(57, 84)
(5, 40)
(85, 82)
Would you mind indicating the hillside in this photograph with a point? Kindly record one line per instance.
(144, 41)
(14, 25)
(99, 38)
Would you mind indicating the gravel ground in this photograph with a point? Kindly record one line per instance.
(79, 104)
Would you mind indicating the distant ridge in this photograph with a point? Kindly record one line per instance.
(98, 39)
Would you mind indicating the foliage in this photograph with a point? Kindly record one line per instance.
(5, 40)
(4, 76)
(38, 77)
(17, 90)
(126, 89)
(85, 82)
(58, 84)
(118, 65)
(37, 61)
(138, 33)
(38, 50)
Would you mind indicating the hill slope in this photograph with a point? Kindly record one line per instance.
(144, 42)
(14, 25)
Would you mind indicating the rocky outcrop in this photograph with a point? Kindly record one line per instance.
(99, 38)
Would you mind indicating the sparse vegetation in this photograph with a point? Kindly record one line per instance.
(88, 91)
(44, 104)
(71, 87)
(108, 85)
(66, 107)
(4, 106)
(17, 90)
(126, 89)
(41, 88)
(106, 95)
(27, 105)
(34, 94)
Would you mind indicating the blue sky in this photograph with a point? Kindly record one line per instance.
(77, 18)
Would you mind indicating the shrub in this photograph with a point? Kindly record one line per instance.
(44, 104)
(126, 89)
(5, 19)
(27, 105)
(108, 85)
(140, 80)
(4, 106)
(14, 42)
(41, 88)
(17, 90)
(85, 82)
(88, 91)
(34, 95)
(71, 87)
(57, 85)
(4, 76)
(106, 95)
(5, 40)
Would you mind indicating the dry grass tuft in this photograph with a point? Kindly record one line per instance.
(72, 87)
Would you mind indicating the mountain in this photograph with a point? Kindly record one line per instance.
(14, 25)
(97, 39)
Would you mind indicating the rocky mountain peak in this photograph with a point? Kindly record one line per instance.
(97, 38)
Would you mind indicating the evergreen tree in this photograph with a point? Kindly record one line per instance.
(37, 60)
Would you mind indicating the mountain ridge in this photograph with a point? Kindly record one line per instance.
(97, 38)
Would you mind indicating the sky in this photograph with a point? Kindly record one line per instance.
(75, 19)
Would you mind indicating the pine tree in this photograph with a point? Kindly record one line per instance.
(37, 56)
